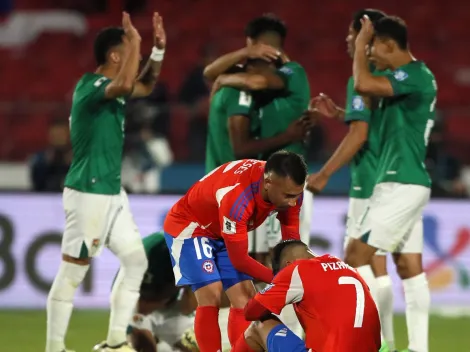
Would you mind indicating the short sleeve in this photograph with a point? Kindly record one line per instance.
(92, 91)
(290, 221)
(406, 80)
(238, 102)
(286, 288)
(356, 108)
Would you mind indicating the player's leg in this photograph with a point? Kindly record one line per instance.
(384, 297)
(408, 261)
(82, 239)
(126, 243)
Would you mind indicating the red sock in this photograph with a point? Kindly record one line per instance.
(207, 330)
(236, 325)
(241, 346)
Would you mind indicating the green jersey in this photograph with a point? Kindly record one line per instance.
(363, 166)
(406, 123)
(159, 273)
(282, 109)
(97, 135)
(227, 102)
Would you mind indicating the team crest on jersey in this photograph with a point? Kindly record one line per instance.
(208, 266)
(357, 103)
(229, 227)
(400, 75)
(267, 288)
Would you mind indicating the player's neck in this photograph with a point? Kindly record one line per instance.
(106, 71)
(264, 192)
(402, 58)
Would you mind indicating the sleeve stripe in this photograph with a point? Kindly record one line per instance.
(238, 203)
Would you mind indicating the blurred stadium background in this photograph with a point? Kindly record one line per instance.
(46, 45)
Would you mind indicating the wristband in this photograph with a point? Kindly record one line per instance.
(157, 54)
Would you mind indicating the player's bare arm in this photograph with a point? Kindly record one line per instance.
(149, 75)
(225, 62)
(245, 146)
(252, 81)
(123, 83)
(364, 82)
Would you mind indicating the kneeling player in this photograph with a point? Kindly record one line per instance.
(331, 300)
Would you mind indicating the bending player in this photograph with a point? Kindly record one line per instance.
(206, 232)
(331, 300)
(393, 220)
(97, 209)
(359, 148)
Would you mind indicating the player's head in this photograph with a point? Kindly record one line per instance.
(355, 26)
(284, 179)
(287, 252)
(390, 40)
(267, 29)
(109, 46)
(259, 65)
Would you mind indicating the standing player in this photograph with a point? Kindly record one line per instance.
(360, 148)
(97, 210)
(393, 220)
(288, 99)
(332, 301)
(207, 232)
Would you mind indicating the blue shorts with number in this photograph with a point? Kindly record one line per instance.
(281, 339)
(200, 261)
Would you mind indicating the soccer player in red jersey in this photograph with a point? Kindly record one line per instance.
(206, 232)
(331, 300)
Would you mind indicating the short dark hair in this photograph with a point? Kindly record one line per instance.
(266, 23)
(105, 40)
(278, 62)
(373, 14)
(392, 27)
(287, 164)
(277, 253)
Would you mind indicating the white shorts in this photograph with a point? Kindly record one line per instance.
(167, 325)
(356, 208)
(93, 221)
(393, 220)
(268, 234)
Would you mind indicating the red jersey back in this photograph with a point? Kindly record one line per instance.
(332, 302)
(227, 203)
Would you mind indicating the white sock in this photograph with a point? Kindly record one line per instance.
(125, 294)
(60, 303)
(223, 323)
(385, 304)
(289, 318)
(418, 301)
(368, 275)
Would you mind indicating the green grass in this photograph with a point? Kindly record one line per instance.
(25, 331)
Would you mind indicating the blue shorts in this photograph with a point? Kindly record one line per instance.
(200, 261)
(281, 339)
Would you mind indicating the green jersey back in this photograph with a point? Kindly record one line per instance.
(364, 164)
(407, 119)
(277, 115)
(159, 273)
(227, 102)
(97, 135)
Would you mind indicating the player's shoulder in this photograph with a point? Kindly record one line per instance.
(240, 179)
(291, 67)
(414, 70)
(89, 81)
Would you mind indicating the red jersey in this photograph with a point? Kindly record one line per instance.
(226, 204)
(332, 302)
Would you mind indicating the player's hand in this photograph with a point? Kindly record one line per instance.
(325, 106)
(159, 35)
(366, 33)
(131, 32)
(317, 182)
(298, 130)
(262, 51)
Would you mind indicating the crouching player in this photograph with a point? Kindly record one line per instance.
(331, 300)
(164, 316)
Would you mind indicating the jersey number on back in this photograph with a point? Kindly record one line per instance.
(360, 298)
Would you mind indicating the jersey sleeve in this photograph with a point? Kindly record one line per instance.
(237, 102)
(356, 108)
(286, 288)
(290, 221)
(406, 80)
(92, 91)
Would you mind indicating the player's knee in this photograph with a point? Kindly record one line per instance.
(252, 334)
(358, 253)
(134, 265)
(68, 278)
(210, 295)
(408, 265)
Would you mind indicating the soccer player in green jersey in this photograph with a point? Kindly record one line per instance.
(97, 210)
(360, 148)
(393, 220)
